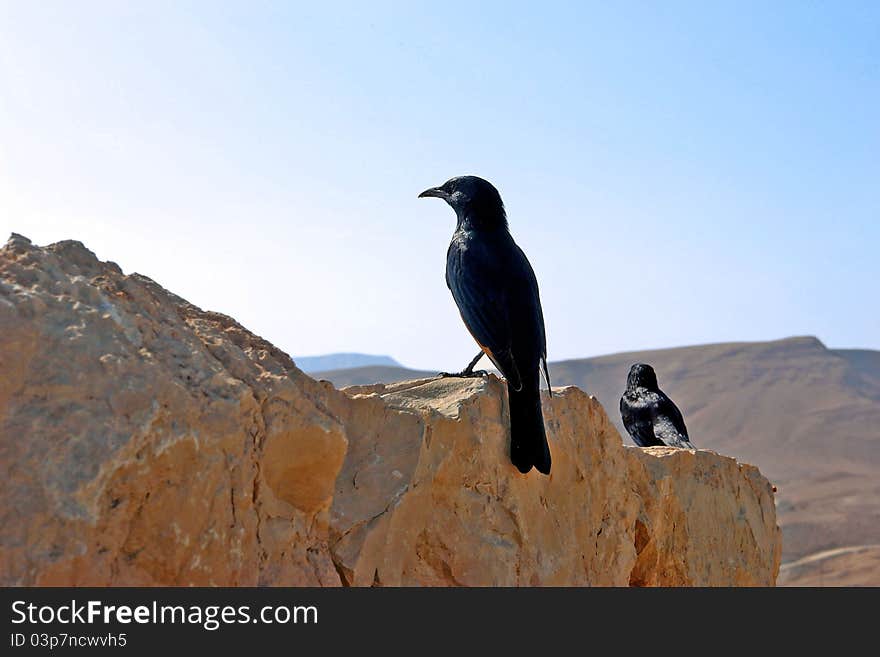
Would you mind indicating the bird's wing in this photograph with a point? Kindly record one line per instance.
(665, 430)
(480, 292)
(669, 425)
(529, 276)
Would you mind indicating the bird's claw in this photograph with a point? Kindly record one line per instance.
(464, 374)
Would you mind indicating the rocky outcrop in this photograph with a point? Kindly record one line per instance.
(146, 442)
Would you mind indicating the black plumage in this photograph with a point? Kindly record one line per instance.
(650, 417)
(496, 292)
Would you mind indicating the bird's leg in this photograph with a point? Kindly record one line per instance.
(469, 371)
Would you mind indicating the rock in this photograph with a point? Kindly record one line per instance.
(144, 441)
(427, 495)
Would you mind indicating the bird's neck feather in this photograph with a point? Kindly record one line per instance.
(482, 221)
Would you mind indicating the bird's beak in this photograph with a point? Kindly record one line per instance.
(433, 192)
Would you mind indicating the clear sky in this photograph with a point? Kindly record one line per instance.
(677, 173)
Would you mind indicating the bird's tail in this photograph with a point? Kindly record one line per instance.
(528, 440)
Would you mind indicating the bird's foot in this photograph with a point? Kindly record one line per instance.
(464, 374)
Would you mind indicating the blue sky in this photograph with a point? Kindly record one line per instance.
(677, 173)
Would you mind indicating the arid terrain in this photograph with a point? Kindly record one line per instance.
(807, 415)
(146, 442)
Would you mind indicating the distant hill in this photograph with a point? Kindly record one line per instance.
(807, 415)
(324, 362)
(857, 565)
(361, 376)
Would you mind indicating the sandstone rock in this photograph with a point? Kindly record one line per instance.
(427, 496)
(146, 442)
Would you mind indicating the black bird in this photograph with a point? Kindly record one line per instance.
(496, 292)
(650, 417)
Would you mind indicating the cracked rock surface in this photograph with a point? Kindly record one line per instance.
(144, 441)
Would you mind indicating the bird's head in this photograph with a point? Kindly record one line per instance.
(474, 200)
(641, 376)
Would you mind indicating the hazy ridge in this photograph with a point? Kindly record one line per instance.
(338, 361)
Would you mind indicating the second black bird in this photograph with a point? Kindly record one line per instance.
(496, 292)
(650, 417)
